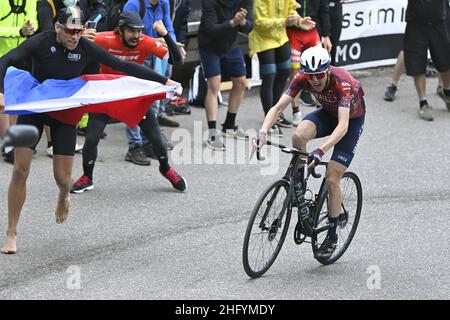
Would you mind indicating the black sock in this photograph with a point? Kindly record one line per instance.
(332, 225)
(447, 92)
(423, 103)
(229, 121)
(394, 86)
(164, 164)
(88, 170)
(49, 144)
(295, 109)
(212, 124)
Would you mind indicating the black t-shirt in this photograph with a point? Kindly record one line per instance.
(51, 60)
(425, 11)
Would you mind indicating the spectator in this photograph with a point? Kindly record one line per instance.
(220, 54)
(426, 28)
(155, 10)
(47, 10)
(18, 20)
(303, 39)
(335, 26)
(270, 41)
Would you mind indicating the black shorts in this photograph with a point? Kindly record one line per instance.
(345, 149)
(418, 39)
(63, 136)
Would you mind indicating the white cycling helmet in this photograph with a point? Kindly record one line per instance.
(315, 60)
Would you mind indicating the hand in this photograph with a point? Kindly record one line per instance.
(316, 157)
(239, 18)
(178, 88)
(259, 140)
(292, 20)
(160, 28)
(89, 34)
(27, 29)
(182, 50)
(2, 103)
(326, 42)
(306, 24)
(297, 5)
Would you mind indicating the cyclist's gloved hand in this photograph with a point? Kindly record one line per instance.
(260, 139)
(316, 157)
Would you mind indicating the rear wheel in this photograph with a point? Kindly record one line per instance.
(348, 218)
(267, 229)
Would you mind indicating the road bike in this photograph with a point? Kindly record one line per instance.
(269, 221)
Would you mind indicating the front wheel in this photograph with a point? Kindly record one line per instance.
(348, 218)
(267, 229)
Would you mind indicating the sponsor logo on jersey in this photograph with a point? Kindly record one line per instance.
(74, 56)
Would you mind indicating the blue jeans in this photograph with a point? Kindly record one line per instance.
(136, 136)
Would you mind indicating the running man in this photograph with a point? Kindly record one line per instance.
(60, 54)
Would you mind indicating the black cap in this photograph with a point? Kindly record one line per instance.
(131, 19)
(73, 15)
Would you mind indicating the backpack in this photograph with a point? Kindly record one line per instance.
(115, 9)
(198, 88)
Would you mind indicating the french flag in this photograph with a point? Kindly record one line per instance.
(122, 97)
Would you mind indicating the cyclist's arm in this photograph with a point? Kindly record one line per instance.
(339, 131)
(100, 55)
(275, 112)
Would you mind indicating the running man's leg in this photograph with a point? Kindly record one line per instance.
(64, 139)
(18, 186)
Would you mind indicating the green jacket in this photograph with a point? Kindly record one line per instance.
(11, 25)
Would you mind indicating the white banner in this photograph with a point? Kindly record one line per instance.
(372, 33)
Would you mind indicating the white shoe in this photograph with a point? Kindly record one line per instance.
(50, 151)
(296, 118)
(78, 148)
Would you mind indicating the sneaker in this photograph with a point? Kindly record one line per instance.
(306, 98)
(9, 156)
(215, 142)
(82, 184)
(275, 131)
(389, 95)
(148, 151)
(440, 91)
(50, 151)
(165, 121)
(426, 113)
(182, 110)
(283, 122)
(446, 99)
(327, 249)
(236, 133)
(169, 145)
(78, 148)
(137, 156)
(296, 118)
(175, 179)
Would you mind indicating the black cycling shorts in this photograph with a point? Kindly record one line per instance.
(63, 136)
(418, 39)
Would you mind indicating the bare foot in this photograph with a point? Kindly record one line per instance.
(10, 246)
(62, 209)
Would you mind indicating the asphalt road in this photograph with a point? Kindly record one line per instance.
(133, 237)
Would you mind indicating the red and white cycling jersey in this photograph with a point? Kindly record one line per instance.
(113, 44)
(342, 91)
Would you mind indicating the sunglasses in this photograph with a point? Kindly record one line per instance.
(70, 32)
(318, 76)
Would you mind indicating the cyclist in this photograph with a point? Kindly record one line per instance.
(60, 54)
(341, 118)
(128, 43)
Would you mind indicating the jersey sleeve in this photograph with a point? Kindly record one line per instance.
(346, 95)
(296, 85)
(154, 47)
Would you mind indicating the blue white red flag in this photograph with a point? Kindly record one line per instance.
(122, 97)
